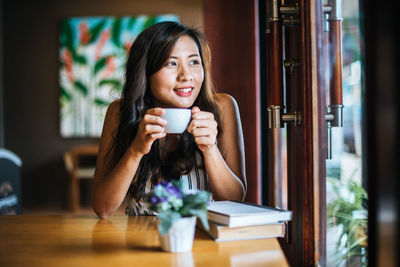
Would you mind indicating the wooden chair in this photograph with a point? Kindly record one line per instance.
(77, 170)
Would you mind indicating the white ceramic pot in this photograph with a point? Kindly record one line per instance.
(180, 236)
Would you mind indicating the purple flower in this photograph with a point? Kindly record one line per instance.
(154, 200)
(163, 199)
(172, 190)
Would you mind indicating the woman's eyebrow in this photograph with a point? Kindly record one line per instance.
(191, 55)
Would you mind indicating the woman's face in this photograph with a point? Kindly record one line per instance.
(177, 84)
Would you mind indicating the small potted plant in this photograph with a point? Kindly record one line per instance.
(177, 210)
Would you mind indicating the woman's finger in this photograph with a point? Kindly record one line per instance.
(195, 109)
(198, 132)
(151, 128)
(202, 115)
(198, 124)
(155, 111)
(204, 123)
(155, 136)
(152, 119)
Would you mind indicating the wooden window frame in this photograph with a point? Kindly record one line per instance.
(305, 244)
(232, 28)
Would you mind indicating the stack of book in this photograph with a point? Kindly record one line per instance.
(231, 220)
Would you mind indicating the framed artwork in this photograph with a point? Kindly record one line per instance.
(92, 55)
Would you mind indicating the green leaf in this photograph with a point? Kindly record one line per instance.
(167, 218)
(81, 87)
(340, 211)
(100, 64)
(95, 31)
(131, 22)
(100, 102)
(192, 202)
(116, 32)
(80, 59)
(112, 82)
(150, 21)
(202, 215)
(67, 36)
(65, 94)
(119, 87)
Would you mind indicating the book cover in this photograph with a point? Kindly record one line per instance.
(235, 214)
(219, 232)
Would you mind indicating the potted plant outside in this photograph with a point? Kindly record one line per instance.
(348, 210)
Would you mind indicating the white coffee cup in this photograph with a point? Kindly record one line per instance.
(177, 119)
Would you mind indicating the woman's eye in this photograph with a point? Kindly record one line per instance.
(195, 62)
(171, 63)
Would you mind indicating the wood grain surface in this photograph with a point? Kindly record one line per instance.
(46, 240)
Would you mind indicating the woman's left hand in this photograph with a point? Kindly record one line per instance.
(204, 129)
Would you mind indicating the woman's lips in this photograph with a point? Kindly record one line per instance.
(184, 91)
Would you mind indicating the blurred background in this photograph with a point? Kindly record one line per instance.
(31, 95)
(364, 150)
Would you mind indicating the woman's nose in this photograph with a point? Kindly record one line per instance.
(185, 75)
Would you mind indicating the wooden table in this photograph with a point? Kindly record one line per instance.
(45, 240)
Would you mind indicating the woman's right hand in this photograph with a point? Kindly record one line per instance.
(150, 129)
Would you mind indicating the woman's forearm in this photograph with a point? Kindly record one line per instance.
(109, 191)
(224, 183)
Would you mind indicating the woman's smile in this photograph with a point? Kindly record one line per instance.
(184, 91)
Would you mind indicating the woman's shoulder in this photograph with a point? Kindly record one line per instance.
(114, 108)
(115, 104)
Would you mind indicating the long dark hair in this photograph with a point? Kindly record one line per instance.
(148, 54)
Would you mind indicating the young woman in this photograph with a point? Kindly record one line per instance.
(168, 67)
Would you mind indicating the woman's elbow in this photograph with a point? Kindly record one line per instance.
(101, 215)
(100, 212)
(102, 209)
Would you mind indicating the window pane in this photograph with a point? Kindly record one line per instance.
(346, 196)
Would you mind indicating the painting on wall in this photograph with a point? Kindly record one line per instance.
(92, 56)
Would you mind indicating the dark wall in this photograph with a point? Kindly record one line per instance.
(382, 130)
(231, 27)
(1, 80)
(31, 91)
